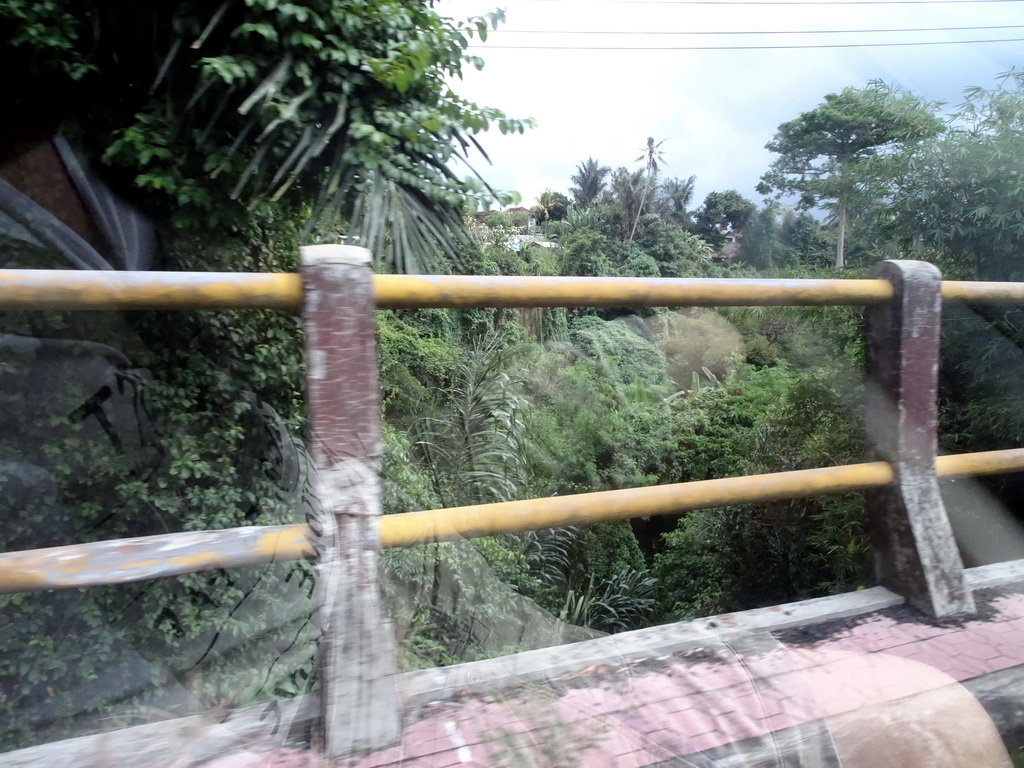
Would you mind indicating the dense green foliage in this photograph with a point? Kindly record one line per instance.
(351, 114)
(235, 126)
(627, 399)
(342, 105)
(623, 400)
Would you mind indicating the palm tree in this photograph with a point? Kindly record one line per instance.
(652, 158)
(589, 180)
(475, 449)
(551, 206)
(628, 189)
(235, 119)
(673, 198)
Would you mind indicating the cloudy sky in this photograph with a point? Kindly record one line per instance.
(564, 63)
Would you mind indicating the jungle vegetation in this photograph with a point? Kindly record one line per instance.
(250, 132)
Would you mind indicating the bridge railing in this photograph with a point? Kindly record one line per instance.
(336, 294)
(121, 561)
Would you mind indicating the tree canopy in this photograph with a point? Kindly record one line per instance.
(722, 211)
(822, 152)
(343, 105)
(673, 198)
(551, 206)
(589, 183)
(959, 199)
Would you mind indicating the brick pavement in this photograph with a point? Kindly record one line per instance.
(701, 701)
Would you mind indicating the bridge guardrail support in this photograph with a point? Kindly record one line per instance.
(915, 552)
(360, 707)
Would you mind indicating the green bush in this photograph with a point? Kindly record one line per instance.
(695, 342)
(626, 356)
(765, 420)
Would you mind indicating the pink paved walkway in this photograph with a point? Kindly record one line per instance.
(647, 713)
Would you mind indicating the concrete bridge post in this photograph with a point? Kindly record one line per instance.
(359, 702)
(915, 553)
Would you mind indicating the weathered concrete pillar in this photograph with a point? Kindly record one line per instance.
(360, 709)
(915, 553)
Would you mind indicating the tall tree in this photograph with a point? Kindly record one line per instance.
(589, 182)
(652, 159)
(762, 240)
(823, 152)
(806, 240)
(721, 212)
(673, 199)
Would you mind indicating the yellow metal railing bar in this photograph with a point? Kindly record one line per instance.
(409, 292)
(982, 292)
(39, 289)
(125, 560)
(65, 289)
(405, 530)
(119, 561)
(55, 289)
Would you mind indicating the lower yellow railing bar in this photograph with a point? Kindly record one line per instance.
(453, 523)
(149, 557)
(605, 506)
(120, 561)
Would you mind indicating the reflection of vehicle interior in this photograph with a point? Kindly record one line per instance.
(69, 385)
(56, 388)
(89, 387)
(91, 384)
(128, 236)
(78, 386)
(70, 405)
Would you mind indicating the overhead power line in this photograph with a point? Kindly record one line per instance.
(736, 47)
(754, 32)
